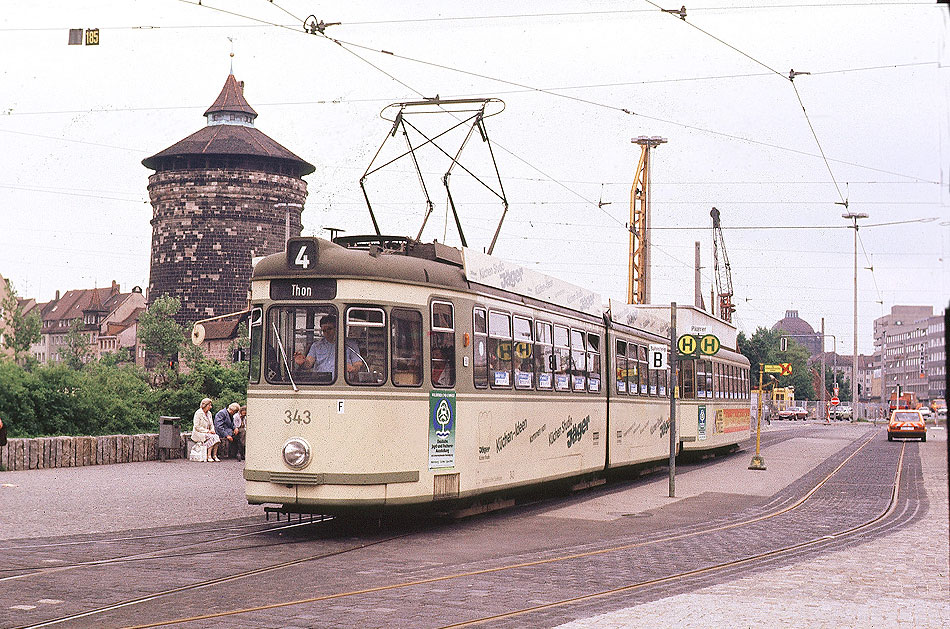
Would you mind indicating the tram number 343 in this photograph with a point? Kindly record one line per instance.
(301, 417)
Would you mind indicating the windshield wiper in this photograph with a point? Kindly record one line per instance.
(283, 355)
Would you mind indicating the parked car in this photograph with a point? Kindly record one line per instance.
(905, 424)
(793, 412)
(842, 411)
(925, 412)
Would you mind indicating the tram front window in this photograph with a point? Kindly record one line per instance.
(302, 345)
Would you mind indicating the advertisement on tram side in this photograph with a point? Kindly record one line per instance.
(732, 419)
(441, 429)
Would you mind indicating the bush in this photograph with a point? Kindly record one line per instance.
(105, 398)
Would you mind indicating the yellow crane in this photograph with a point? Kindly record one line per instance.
(638, 284)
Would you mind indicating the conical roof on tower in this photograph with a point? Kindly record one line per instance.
(229, 133)
(231, 99)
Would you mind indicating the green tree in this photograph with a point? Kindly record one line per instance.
(75, 351)
(22, 330)
(158, 331)
(763, 348)
(844, 385)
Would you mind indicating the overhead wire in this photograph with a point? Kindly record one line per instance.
(343, 44)
(790, 78)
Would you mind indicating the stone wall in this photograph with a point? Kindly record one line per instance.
(49, 452)
(207, 224)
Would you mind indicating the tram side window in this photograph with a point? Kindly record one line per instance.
(301, 339)
(642, 368)
(544, 353)
(687, 379)
(256, 330)
(661, 379)
(523, 355)
(700, 378)
(442, 341)
(578, 360)
(633, 370)
(733, 382)
(406, 331)
(593, 362)
(365, 346)
(562, 354)
(480, 325)
(499, 349)
(620, 370)
(709, 378)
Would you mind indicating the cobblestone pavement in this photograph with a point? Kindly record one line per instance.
(854, 586)
(901, 580)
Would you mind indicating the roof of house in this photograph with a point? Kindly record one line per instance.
(74, 303)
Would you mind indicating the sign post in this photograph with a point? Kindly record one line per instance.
(758, 461)
(673, 386)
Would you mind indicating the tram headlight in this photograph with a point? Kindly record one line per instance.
(296, 453)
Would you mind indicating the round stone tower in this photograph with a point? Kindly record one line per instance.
(220, 197)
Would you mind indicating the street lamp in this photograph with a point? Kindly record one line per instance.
(854, 216)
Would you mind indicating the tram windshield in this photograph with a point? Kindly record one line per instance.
(302, 345)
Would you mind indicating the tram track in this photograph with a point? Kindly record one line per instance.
(643, 584)
(180, 550)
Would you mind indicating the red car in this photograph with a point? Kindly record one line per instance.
(906, 424)
(793, 412)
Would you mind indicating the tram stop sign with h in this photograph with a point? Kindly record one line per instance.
(657, 357)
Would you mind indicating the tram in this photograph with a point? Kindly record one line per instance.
(388, 373)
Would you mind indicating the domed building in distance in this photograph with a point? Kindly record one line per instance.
(800, 330)
(220, 197)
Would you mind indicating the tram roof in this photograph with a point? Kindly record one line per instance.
(404, 260)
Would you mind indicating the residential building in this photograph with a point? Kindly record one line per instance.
(910, 348)
(101, 313)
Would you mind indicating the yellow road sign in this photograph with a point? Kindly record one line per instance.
(687, 344)
(773, 369)
(709, 344)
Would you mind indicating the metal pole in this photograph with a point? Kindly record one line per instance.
(758, 461)
(673, 385)
(824, 409)
(854, 216)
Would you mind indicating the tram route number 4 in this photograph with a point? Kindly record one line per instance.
(301, 253)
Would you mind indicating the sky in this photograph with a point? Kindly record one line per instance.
(866, 123)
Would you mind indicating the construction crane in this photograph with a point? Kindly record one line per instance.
(638, 279)
(723, 272)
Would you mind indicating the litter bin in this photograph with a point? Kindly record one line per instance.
(169, 436)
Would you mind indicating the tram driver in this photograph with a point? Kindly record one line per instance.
(321, 358)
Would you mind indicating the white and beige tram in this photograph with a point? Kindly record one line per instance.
(395, 373)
